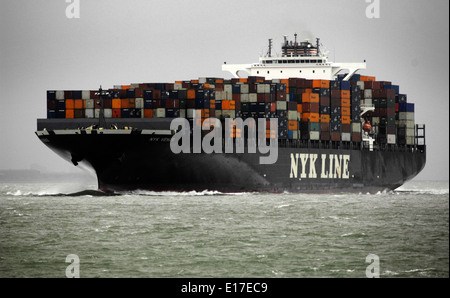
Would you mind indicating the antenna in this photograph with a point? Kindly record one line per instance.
(269, 52)
(318, 45)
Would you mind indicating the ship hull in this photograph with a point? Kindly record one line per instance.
(129, 161)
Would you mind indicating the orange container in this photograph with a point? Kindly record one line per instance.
(148, 113)
(70, 104)
(285, 81)
(292, 125)
(312, 117)
(212, 103)
(191, 94)
(310, 97)
(325, 118)
(346, 111)
(125, 87)
(324, 84)
(243, 80)
(345, 119)
(367, 79)
(321, 84)
(316, 83)
(131, 103)
(125, 103)
(219, 81)
(79, 104)
(116, 103)
(270, 134)
(70, 113)
(345, 102)
(345, 94)
(194, 81)
(205, 113)
(299, 107)
(228, 105)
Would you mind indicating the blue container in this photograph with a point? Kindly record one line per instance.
(60, 104)
(261, 107)
(76, 94)
(199, 94)
(392, 87)
(173, 94)
(218, 105)
(355, 77)
(159, 86)
(236, 89)
(51, 114)
(406, 107)
(253, 107)
(345, 85)
(402, 98)
(130, 93)
(148, 104)
(148, 94)
(61, 113)
(199, 103)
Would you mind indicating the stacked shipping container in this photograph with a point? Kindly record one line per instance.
(310, 110)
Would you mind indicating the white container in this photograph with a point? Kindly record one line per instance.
(367, 93)
(178, 86)
(356, 127)
(227, 88)
(314, 135)
(292, 115)
(391, 139)
(182, 113)
(160, 112)
(202, 80)
(244, 97)
(261, 88)
(89, 104)
(410, 132)
(59, 94)
(85, 94)
(410, 140)
(346, 136)
(89, 113)
(229, 113)
(281, 105)
(244, 89)
(139, 103)
(220, 95)
(368, 102)
(107, 113)
(252, 97)
(360, 84)
(134, 85)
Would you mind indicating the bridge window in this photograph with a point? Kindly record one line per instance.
(267, 71)
(302, 61)
(314, 71)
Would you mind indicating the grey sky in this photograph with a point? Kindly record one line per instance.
(120, 42)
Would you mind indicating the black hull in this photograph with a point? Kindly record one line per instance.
(140, 161)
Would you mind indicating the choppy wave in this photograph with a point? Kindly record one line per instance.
(184, 193)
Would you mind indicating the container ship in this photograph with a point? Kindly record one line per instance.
(335, 130)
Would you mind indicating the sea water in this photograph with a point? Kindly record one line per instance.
(211, 234)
